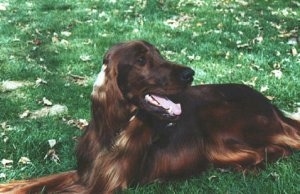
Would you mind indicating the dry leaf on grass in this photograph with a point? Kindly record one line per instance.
(66, 33)
(2, 176)
(24, 160)
(274, 175)
(241, 45)
(85, 57)
(277, 73)
(264, 88)
(251, 82)
(25, 114)
(79, 80)
(55, 38)
(5, 138)
(64, 42)
(51, 154)
(294, 52)
(40, 81)
(7, 163)
(5, 126)
(178, 21)
(212, 177)
(3, 134)
(46, 102)
(3, 6)
(293, 41)
(287, 34)
(80, 123)
(52, 142)
(12, 85)
(54, 110)
(270, 97)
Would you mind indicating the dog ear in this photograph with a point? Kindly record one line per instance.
(107, 56)
(107, 99)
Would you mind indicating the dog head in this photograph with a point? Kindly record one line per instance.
(136, 72)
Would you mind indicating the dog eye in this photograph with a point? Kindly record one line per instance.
(141, 61)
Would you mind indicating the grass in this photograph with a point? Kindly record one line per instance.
(62, 43)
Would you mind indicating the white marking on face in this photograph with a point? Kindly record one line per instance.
(100, 80)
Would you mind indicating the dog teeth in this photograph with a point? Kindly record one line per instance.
(151, 100)
(170, 110)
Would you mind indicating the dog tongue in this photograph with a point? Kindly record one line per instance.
(171, 107)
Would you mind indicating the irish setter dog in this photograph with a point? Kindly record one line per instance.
(148, 123)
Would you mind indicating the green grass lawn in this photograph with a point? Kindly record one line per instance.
(54, 49)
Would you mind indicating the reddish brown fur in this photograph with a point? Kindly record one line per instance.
(129, 142)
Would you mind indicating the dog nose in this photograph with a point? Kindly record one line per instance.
(186, 76)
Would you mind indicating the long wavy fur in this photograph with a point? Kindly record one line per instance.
(130, 141)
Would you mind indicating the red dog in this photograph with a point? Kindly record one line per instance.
(148, 123)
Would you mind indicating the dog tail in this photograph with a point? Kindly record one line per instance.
(58, 183)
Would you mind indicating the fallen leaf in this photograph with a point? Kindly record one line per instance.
(85, 57)
(6, 127)
(251, 82)
(178, 21)
(55, 39)
(12, 85)
(80, 123)
(54, 110)
(46, 102)
(88, 42)
(24, 160)
(194, 58)
(276, 65)
(52, 142)
(274, 175)
(296, 3)
(212, 177)
(196, 3)
(66, 33)
(258, 39)
(294, 51)
(64, 42)
(7, 163)
(243, 3)
(239, 45)
(287, 34)
(277, 73)
(270, 97)
(52, 155)
(277, 53)
(103, 15)
(292, 41)
(5, 139)
(264, 88)
(3, 6)
(40, 81)
(135, 31)
(277, 26)
(25, 114)
(80, 80)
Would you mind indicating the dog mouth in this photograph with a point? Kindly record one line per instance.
(162, 106)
